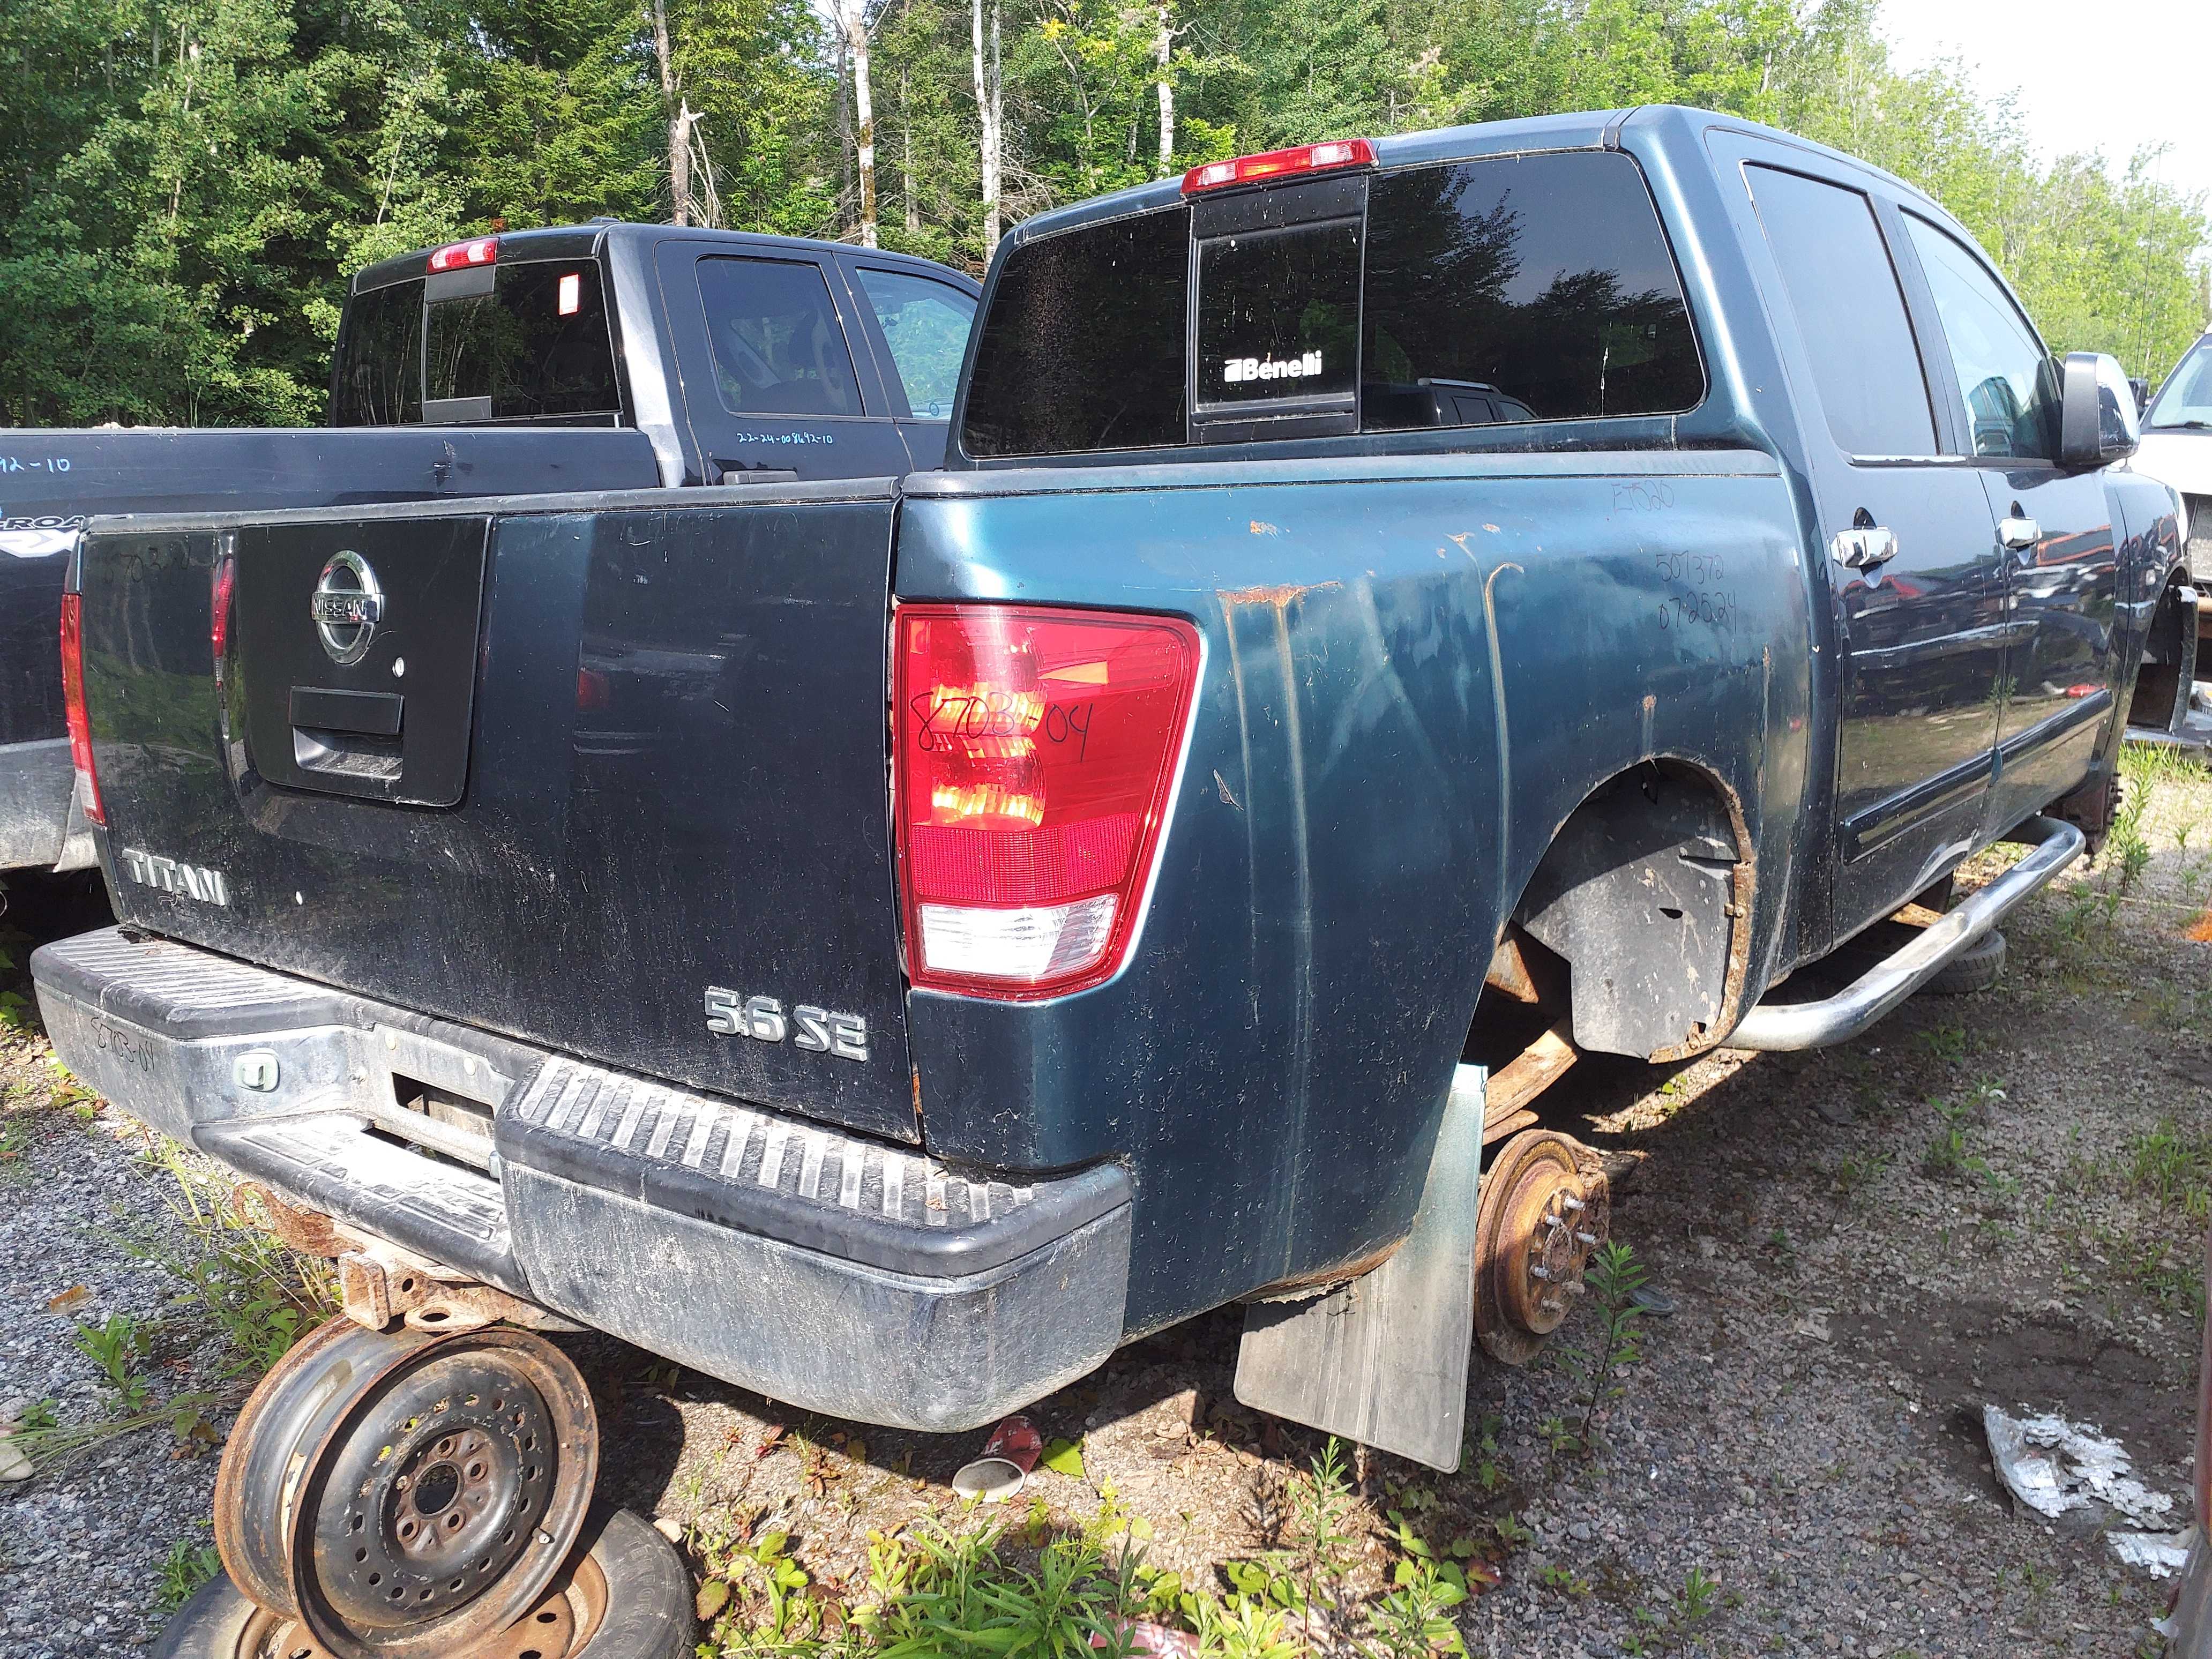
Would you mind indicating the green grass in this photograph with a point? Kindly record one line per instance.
(187, 1566)
(261, 1295)
(2173, 1166)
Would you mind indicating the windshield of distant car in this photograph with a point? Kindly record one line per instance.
(2185, 400)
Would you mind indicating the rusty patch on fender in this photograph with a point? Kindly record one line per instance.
(1278, 596)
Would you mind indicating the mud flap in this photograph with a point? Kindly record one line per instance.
(1383, 1360)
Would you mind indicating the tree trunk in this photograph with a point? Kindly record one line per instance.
(679, 119)
(1164, 49)
(853, 21)
(987, 111)
(906, 166)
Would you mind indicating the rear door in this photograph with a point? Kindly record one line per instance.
(1913, 566)
(2061, 578)
(771, 381)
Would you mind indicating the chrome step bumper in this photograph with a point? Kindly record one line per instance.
(844, 1276)
(1881, 988)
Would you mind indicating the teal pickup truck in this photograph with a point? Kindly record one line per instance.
(1394, 615)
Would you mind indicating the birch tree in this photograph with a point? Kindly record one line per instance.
(991, 115)
(852, 17)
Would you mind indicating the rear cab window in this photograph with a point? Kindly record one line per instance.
(1497, 292)
(525, 340)
(533, 345)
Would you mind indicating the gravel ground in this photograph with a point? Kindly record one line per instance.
(1804, 1428)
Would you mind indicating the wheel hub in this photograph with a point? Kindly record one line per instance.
(1543, 1211)
(438, 1493)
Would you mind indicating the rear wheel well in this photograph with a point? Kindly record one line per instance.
(1642, 902)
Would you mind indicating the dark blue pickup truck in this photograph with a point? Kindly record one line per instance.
(668, 357)
(1395, 616)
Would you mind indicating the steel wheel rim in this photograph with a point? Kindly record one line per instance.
(561, 1622)
(310, 1501)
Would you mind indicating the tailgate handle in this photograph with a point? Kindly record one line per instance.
(366, 714)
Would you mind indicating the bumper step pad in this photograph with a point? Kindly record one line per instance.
(763, 1173)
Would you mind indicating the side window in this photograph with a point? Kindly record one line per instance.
(925, 325)
(778, 347)
(1851, 313)
(380, 378)
(1528, 289)
(2005, 376)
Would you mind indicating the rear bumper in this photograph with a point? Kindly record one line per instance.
(843, 1276)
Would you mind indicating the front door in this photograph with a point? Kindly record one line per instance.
(2061, 578)
(1917, 584)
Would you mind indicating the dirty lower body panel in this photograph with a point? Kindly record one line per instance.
(842, 1275)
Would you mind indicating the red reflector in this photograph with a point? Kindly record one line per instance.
(456, 256)
(571, 294)
(1036, 749)
(80, 730)
(1253, 169)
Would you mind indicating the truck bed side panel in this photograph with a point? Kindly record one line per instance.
(676, 781)
(1360, 808)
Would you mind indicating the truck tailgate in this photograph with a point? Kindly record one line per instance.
(603, 773)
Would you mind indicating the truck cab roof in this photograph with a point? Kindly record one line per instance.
(589, 240)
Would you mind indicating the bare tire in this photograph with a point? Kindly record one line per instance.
(1977, 968)
(626, 1595)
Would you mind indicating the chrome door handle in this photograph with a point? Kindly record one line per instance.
(2018, 533)
(1865, 549)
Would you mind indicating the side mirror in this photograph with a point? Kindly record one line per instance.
(2097, 420)
(2142, 389)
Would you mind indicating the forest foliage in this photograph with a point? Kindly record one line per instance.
(192, 181)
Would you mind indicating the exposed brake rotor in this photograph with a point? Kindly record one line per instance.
(1544, 1210)
(410, 1495)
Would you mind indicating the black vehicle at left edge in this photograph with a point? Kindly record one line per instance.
(594, 357)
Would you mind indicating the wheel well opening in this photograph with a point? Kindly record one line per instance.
(2160, 700)
(1634, 928)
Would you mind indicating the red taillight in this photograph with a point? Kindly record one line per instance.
(458, 256)
(224, 584)
(1035, 752)
(1306, 158)
(80, 731)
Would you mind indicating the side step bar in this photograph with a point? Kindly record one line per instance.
(1835, 1019)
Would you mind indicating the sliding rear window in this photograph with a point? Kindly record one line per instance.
(536, 347)
(1498, 292)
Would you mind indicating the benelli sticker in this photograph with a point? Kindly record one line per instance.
(1235, 369)
(40, 537)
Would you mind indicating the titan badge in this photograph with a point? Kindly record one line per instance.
(815, 1030)
(186, 880)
